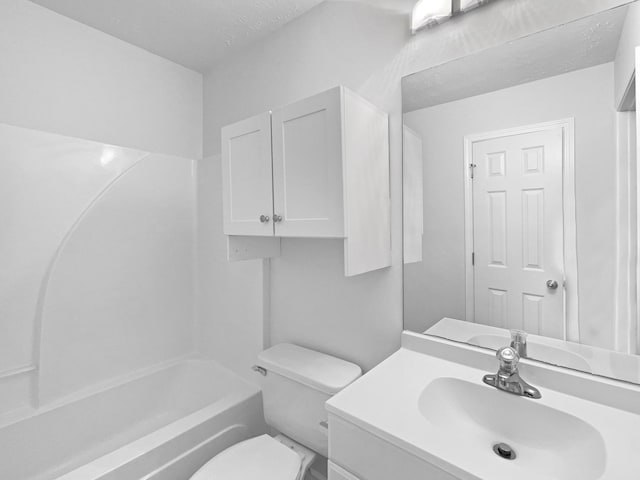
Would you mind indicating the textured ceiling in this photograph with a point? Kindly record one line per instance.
(193, 33)
(579, 44)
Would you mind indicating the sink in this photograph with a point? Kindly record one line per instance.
(428, 401)
(548, 353)
(470, 418)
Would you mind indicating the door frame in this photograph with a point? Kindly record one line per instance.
(570, 254)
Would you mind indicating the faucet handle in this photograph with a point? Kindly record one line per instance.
(519, 342)
(509, 359)
(518, 336)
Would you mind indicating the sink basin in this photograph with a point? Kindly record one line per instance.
(547, 353)
(428, 401)
(469, 419)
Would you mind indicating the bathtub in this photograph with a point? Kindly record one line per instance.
(161, 425)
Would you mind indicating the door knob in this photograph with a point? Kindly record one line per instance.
(264, 218)
(552, 284)
(277, 218)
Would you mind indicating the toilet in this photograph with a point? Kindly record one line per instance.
(296, 382)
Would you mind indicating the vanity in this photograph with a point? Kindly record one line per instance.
(518, 164)
(425, 413)
(519, 214)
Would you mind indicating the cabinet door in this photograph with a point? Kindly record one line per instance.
(247, 177)
(307, 167)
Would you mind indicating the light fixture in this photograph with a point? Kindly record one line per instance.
(428, 13)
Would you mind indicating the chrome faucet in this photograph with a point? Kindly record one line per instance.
(519, 342)
(508, 379)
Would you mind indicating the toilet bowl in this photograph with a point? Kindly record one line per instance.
(259, 458)
(296, 382)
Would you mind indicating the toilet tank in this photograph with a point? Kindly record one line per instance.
(297, 384)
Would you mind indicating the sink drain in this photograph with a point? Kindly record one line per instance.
(504, 451)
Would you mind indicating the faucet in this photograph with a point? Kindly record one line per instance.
(508, 379)
(519, 342)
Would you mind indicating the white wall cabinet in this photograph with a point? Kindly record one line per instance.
(308, 167)
(412, 195)
(246, 170)
(317, 168)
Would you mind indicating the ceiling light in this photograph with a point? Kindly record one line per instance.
(427, 13)
(430, 12)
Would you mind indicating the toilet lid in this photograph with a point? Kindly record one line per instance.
(259, 458)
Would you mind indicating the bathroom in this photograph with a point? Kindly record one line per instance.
(137, 323)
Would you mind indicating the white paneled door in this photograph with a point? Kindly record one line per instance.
(246, 177)
(518, 231)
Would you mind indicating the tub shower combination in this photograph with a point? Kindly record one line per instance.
(162, 424)
(97, 375)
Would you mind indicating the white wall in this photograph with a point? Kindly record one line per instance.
(97, 245)
(230, 295)
(587, 96)
(368, 49)
(60, 76)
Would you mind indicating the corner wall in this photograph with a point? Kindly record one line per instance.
(625, 63)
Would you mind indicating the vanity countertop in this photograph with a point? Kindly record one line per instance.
(578, 356)
(389, 402)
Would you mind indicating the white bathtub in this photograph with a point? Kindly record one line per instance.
(162, 425)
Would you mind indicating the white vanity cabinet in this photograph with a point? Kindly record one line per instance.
(338, 473)
(317, 168)
(356, 454)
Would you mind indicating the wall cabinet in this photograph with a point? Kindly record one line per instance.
(246, 170)
(317, 168)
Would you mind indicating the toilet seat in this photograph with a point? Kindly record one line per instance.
(259, 458)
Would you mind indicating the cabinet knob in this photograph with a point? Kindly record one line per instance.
(264, 218)
(277, 218)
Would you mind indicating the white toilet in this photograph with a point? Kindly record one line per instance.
(296, 384)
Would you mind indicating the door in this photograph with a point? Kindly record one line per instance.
(307, 167)
(247, 177)
(518, 231)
